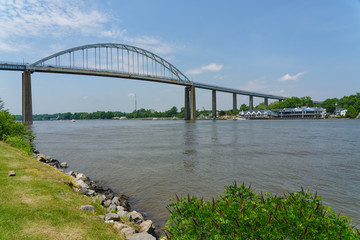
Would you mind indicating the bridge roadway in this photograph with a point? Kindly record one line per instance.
(135, 65)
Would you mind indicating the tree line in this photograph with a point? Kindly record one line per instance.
(352, 103)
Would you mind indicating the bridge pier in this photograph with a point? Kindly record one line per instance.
(214, 104)
(251, 102)
(266, 101)
(187, 103)
(234, 102)
(26, 98)
(192, 103)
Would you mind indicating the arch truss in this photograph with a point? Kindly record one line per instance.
(111, 59)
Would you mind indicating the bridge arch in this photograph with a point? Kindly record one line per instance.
(111, 58)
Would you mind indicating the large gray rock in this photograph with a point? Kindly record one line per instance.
(81, 176)
(128, 231)
(140, 236)
(80, 183)
(120, 208)
(136, 217)
(88, 208)
(90, 193)
(107, 203)
(146, 226)
(112, 216)
(115, 201)
(120, 226)
(124, 214)
(102, 199)
(83, 190)
(42, 158)
(63, 165)
(112, 207)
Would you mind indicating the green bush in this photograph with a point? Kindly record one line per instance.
(242, 214)
(15, 133)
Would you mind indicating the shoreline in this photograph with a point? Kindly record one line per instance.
(116, 205)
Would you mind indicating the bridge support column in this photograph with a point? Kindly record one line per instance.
(266, 101)
(187, 103)
(234, 102)
(192, 103)
(214, 104)
(26, 98)
(251, 102)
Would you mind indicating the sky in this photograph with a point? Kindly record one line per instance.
(287, 48)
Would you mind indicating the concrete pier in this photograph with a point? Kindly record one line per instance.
(213, 104)
(251, 102)
(187, 103)
(26, 98)
(234, 102)
(192, 103)
(266, 101)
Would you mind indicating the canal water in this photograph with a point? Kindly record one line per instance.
(150, 161)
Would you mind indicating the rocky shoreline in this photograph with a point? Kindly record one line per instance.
(118, 210)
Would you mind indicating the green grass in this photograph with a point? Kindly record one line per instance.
(39, 204)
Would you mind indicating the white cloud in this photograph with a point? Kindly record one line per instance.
(288, 77)
(131, 95)
(212, 67)
(254, 85)
(21, 20)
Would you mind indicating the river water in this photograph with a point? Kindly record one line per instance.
(150, 161)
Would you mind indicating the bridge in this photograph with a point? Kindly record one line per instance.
(121, 61)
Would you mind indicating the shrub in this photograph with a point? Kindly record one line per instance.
(242, 214)
(15, 133)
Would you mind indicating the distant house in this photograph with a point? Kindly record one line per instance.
(343, 112)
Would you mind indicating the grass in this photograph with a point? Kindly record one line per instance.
(39, 204)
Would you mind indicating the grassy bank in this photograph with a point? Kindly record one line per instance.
(38, 203)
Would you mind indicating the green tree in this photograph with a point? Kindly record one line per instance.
(244, 107)
(261, 106)
(329, 104)
(275, 105)
(351, 112)
(306, 101)
(1, 104)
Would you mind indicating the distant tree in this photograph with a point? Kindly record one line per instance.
(222, 113)
(1, 104)
(292, 102)
(261, 106)
(306, 101)
(351, 112)
(275, 105)
(171, 112)
(357, 105)
(329, 104)
(244, 107)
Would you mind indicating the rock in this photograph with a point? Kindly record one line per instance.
(11, 173)
(42, 158)
(102, 199)
(120, 208)
(120, 226)
(90, 193)
(82, 177)
(112, 216)
(101, 217)
(83, 190)
(115, 201)
(88, 208)
(80, 183)
(71, 174)
(146, 226)
(36, 151)
(112, 207)
(124, 214)
(128, 231)
(63, 165)
(109, 195)
(107, 203)
(54, 163)
(140, 236)
(136, 217)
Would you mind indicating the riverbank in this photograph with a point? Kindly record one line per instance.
(39, 202)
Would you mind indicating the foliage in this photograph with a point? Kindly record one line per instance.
(292, 102)
(351, 112)
(242, 214)
(345, 102)
(15, 133)
(261, 106)
(244, 107)
(329, 104)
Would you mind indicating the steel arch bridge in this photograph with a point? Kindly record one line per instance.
(120, 61)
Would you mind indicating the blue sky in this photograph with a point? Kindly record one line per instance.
(281, 47)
